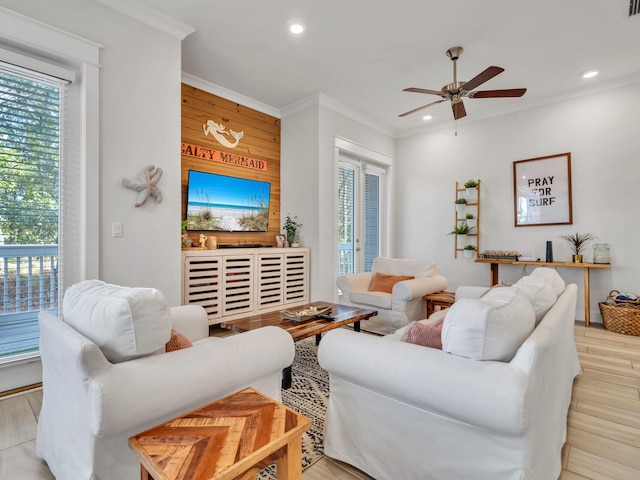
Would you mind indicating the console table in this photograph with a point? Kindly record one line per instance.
(494, 262)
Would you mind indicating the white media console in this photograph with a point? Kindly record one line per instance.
(232, 283)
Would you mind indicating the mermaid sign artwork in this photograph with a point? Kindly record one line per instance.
(218, 131)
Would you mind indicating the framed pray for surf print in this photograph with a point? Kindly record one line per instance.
(542, 191)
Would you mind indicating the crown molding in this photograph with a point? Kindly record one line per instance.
(33, 33)
(321, 99)
(150, 16)
(229, 94)
(348, 112)
(300, 105)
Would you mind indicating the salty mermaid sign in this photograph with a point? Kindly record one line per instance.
(229, 158)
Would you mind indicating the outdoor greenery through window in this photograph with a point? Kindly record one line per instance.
(29, 190)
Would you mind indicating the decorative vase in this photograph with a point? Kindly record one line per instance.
(601, 253)
(576, 258)
(296, 241)
(468, 253)
(211, 243)
(471, 222)
(461, 208)
(549, 251)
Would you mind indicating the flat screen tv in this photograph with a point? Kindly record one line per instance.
(220, 203)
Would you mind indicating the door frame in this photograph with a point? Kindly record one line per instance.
(380, 160)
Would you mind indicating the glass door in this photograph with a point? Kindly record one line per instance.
(360, 215)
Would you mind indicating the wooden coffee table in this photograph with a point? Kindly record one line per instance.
(342, 314)
(230, 439)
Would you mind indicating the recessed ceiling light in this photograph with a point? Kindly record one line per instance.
(296, 28)
(427, 117)
(590, 73)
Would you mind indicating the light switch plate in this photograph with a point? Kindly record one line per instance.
(116, 229)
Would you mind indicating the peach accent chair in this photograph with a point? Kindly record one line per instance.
(404, 303)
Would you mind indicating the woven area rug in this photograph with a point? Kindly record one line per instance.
(309, 395)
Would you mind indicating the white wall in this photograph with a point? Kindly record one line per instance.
(139, 125)
(599, 130)
(308, 181)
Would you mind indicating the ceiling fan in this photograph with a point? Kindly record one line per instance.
(456, 91)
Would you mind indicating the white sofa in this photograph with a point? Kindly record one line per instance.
(404, 304)
(400, 410)
(98, 393)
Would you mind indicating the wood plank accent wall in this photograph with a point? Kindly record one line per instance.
(261, 141)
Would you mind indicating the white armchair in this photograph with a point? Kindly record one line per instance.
(98, 393)
(404, 304)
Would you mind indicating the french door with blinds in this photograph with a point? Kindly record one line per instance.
(360, 214)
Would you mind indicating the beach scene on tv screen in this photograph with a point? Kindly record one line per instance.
(227, 204)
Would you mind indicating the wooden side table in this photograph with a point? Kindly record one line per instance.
(439, 299)
(230, 439)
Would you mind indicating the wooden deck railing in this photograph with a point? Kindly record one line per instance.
(28, 284)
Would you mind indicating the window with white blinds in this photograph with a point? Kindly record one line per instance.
(371, 218)
(31, 145)
(347, 188)
(29, 158)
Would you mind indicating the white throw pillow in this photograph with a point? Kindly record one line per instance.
(489, 328)
(551, 277)
(395, 266)
(541, 294)
(124, 322)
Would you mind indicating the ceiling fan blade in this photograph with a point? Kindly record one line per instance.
(458, 110)
(419, 108)
(478, 80)
(424, 90)
(513, 92)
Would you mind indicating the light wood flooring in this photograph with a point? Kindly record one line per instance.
(603, 441)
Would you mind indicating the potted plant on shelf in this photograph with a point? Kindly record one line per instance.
(461, 204)
(291, 226)
(461, 231)
(468, 251)
(577, 242)
(471, 220)
(471, 186)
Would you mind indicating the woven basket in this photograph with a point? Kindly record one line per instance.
(621, 316)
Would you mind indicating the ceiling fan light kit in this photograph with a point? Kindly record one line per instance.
(457, 90)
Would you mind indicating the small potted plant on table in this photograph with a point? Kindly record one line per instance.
(291, 226)
(577, 242)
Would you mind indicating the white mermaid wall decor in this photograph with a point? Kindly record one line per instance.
(218, 131)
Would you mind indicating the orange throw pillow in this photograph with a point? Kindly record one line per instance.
(177, 342)
(384, 283)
